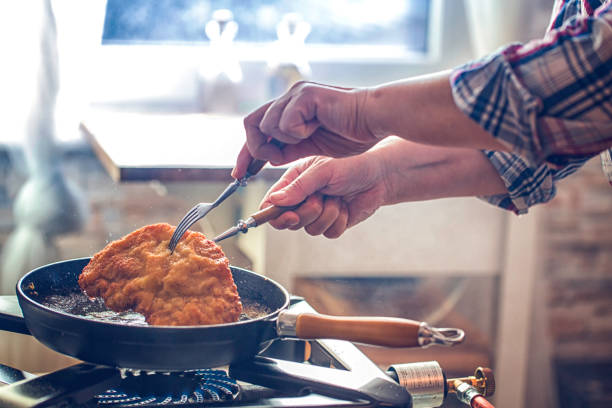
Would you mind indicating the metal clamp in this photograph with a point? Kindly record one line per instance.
(465, 392)
(243, 181)
(242, 226)
(428, 336)
(286, 323)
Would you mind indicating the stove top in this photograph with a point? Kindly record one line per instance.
(156, 389)
(289, 373)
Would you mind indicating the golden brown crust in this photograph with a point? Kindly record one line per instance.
(191, 286)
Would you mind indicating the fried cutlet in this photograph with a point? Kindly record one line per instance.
(191, 286)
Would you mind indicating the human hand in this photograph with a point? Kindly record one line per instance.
(340, 193)
(310, 119)
(337, 194)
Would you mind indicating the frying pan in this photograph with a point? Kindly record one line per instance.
(188, 347)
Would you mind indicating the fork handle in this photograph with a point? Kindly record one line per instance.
(256, 164)
(270, 213)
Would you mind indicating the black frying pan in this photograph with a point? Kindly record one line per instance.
(119, 344)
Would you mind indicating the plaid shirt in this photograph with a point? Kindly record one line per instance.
(549, 100)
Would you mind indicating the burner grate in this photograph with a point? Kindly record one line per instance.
(151, 389)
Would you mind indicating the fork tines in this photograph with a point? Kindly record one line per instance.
(188, 220)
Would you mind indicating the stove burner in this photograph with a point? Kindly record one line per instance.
(150, 389)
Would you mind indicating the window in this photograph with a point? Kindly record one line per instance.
(397, 23)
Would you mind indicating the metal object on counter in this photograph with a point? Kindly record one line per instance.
(425, 381)
(483, 380)
(469, 395)
(429, 387)
(260, 217)
(443, 336)
(465, 392)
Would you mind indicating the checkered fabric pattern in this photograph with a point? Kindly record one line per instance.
(548, 100)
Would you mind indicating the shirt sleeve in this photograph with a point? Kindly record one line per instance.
(527, 184)
(548, 100)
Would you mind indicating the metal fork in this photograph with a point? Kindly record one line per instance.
(255, 220)
(200, 210)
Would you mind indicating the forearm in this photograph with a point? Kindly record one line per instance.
(416, 172)
(422, 110)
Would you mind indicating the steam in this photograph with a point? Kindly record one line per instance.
(46, 205)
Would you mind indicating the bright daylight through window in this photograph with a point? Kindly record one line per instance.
(359, 22)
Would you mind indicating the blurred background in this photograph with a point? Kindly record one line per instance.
(118, 114)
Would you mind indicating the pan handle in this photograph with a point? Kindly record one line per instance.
(11, 318)
(379, 331)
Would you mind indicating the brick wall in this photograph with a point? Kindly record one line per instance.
(576, 282)
(577, 233)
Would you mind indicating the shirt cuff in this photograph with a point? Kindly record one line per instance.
(527, 185)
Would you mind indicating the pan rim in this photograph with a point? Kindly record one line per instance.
(22, 296)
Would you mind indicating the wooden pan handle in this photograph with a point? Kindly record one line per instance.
(380, 331)
(270, 213)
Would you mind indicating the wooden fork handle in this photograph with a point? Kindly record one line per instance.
(270, 213)
(379, 331)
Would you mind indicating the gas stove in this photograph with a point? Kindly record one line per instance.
(289, 373)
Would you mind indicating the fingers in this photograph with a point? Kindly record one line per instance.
(287, 178)
(318, 215)
(256, 140)
(332, 221)
(242, 162)
(311, 179)
(310, 119)
(304, 215)
(340, 224)
(269, 123)
(291, 118)
(361, 208)
(288, 119)
(298, 120)
(289, 218)
(305, 148)
(256, 145)
(255, 137)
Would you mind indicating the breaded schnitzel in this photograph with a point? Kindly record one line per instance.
(191, 286)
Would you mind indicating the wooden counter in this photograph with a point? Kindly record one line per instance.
(167, 147)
